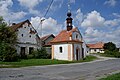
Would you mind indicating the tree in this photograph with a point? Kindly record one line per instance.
(110, 46)
(8, 39)
(6, 34)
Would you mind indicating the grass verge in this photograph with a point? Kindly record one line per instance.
(112, 77)
(39, 62)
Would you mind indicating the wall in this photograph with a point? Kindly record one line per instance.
(26, 35)
(97, 51)
(18, 47)
(74, 36)
(64, 54)
(80, 51)
(26, 40)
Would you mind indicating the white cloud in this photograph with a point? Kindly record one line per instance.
(112, 23)
(35, 12)
(7, 13)
(116, 15)
(113, 36)
(93, 19)
(94, 35)
(49, 25)
(79, 16)
(29, 4)
(111, 2)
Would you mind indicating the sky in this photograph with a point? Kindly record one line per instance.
(97, 20)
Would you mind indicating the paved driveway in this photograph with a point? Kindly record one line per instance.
(77, 71)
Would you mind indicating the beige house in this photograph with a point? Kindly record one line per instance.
(96, 48)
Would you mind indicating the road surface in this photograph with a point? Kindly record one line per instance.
(77, 71)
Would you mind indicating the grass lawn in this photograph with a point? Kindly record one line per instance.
(112, 77)
(38, 62)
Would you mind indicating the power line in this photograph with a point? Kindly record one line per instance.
(48, 8)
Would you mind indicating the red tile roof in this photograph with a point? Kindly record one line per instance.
(64, 36)
(98, 45)
(19, 25)
(16, 26)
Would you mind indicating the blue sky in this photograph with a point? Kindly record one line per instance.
(97, 20)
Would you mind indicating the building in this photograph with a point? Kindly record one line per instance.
(46, 42)
(68, 44)
(27, 38)
(96, 48)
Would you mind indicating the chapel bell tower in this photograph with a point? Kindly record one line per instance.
(69, 19)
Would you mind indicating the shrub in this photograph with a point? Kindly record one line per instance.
(109, 52)
(114, 53)
(11, 58)
(8, 53)
(30, 56)
(40, 54)
(117, 54)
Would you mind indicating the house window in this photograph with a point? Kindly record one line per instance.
(60, 49)
(95, 50)
(22, 35)
(30, 36)
(31, 49)
(76, 36)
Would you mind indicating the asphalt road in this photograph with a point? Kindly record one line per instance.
(78, 71)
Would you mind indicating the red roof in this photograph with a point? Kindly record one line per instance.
(64, 36)
(19, 25)
(98, 45)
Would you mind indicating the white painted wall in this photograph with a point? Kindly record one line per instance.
(74, 36)
(96, 50)
(64, 54)
(25, 30)
(26, 40)
(85, 49)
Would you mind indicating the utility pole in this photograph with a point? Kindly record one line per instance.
(41, 21)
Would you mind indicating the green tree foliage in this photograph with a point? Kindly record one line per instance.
(7, 40)
(111, 50)
(110, 46)
(6, 34)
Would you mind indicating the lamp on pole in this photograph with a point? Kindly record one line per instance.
(41, 21)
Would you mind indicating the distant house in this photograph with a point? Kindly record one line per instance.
(68, 44)
(27, 38)
(46, 42)
(96, 48)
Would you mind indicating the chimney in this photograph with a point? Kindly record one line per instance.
(69, 21)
